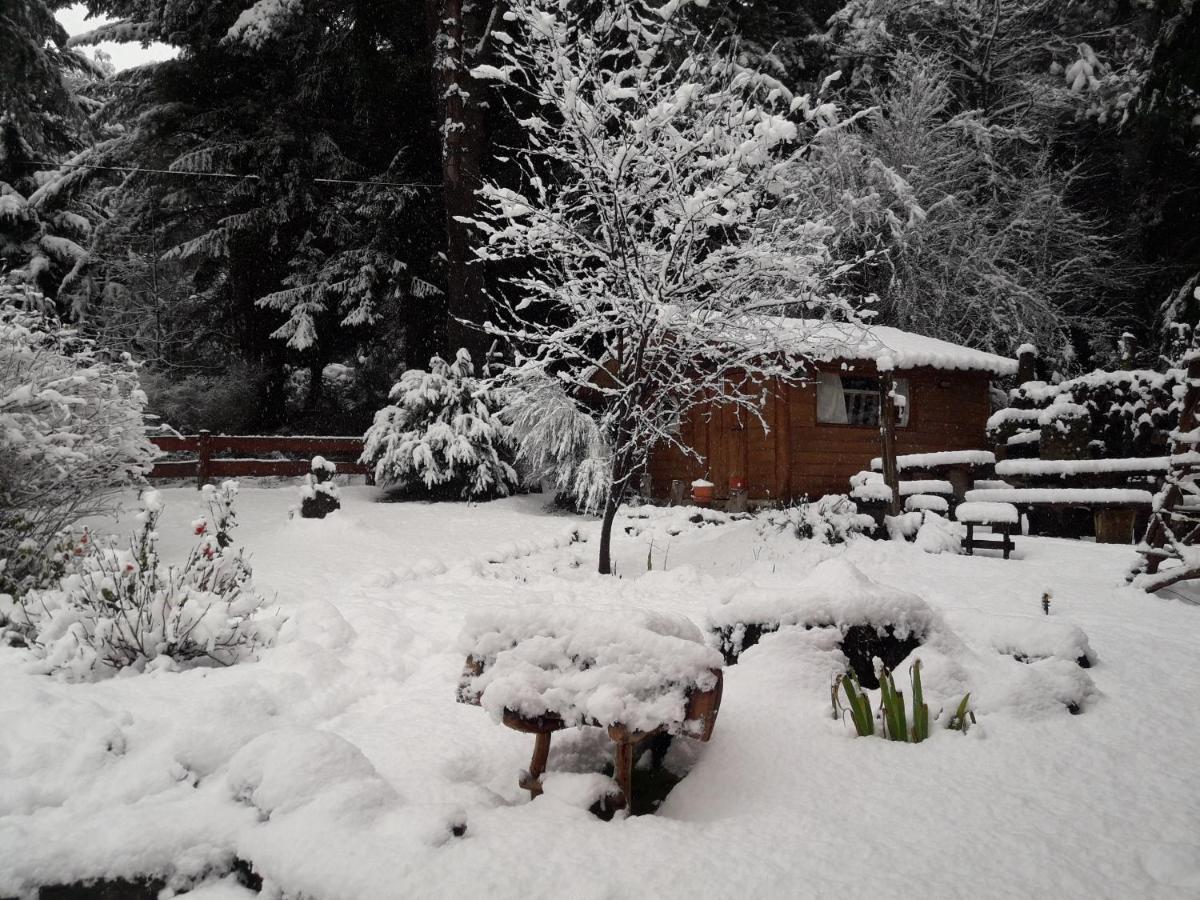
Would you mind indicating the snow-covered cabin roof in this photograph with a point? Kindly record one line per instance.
(888, 348)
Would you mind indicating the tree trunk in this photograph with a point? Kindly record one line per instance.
(611, 505)
(457, 26)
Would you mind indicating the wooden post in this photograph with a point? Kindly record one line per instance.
(203, 452)
(1026, 363)
(887, 439)
(678, 492)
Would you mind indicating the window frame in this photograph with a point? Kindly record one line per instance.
(904, 387)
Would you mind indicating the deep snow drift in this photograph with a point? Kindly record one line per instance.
(339, 764)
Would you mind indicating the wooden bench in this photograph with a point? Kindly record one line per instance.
(1000, 518)
(1114, 510)
(699, 716)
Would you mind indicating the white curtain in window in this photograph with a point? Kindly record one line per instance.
(901, 388)
(831, 401)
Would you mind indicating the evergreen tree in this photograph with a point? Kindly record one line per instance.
(42, 233)
(443, 436)
(322, 249)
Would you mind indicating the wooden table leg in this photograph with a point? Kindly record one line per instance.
(626, 742)
(623, 769)
(537, 765)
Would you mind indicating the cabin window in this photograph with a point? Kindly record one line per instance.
(854, 400)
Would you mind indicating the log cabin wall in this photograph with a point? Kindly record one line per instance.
(798, 457)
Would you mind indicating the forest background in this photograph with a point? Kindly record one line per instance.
(270, 220)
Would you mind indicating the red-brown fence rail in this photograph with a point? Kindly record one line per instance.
(344, 451)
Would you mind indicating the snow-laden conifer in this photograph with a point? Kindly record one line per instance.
(442, 435)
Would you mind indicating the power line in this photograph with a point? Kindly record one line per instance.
(50, 166)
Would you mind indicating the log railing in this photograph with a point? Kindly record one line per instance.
(211, 460)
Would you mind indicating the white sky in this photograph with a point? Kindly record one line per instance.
(124, 56)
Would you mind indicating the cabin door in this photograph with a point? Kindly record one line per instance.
(728, 431)
(741, 449)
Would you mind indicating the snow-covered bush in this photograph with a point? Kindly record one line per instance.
(318, 494)
(938, 534)
(558, 443)
(71, 437)
(443, 436)
(831, 520)
(121, 607)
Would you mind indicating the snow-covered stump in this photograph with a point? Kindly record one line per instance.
(541, 672)
(318, 494)
(875, 620)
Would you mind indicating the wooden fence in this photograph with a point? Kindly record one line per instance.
(209, 463)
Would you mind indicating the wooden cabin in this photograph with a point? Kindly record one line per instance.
(822, 431)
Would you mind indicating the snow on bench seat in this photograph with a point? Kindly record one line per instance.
(1062, 496)
(944, 458)
(917, 502)
(983, 513)
(870, 486)
(1066, 467)
(926, 486)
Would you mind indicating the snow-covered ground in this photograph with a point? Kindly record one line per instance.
(338, 763)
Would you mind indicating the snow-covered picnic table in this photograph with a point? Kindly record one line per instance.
(539, 671)
(1114, 509)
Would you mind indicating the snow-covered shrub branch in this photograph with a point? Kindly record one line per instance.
(830, 520)
(646, 223)
(121, 607)
(71, 436)
(442, 436)
(558, 443)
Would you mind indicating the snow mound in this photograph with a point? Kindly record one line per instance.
(285, 769)
(1040, 638)
(837, 594)
(586, 667)
(578, 789)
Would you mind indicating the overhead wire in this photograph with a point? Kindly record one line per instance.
(51, 166)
